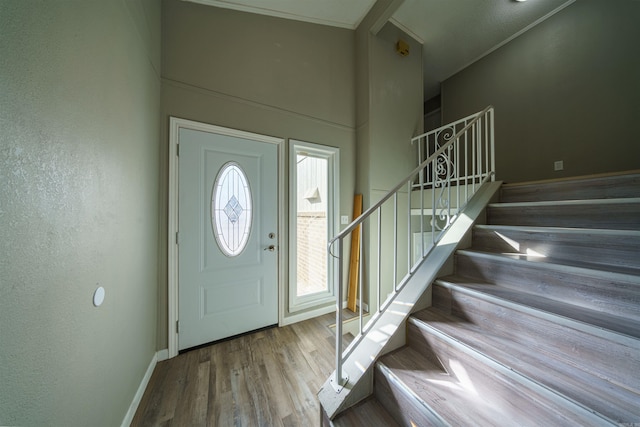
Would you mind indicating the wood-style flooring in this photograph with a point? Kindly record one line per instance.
(268, 378)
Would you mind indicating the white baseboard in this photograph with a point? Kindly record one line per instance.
(365, 307)
(128, 418)
(163, 355)
(289, 320)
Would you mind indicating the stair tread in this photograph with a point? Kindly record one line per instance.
(367, 413)
(444, 391)
(599, 395)
(581, 213)
(575, 202)
(597, 249)
(597, 319)
(626, 184)
(600, 290)
(568, 230)
(586, 267)
(438, 390)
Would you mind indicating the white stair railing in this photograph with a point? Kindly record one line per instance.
(454, 161)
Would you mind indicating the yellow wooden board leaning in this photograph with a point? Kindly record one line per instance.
(354, 265)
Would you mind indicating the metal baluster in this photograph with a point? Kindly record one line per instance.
(395, 242)
(409, 227)
(433, 202)
(486, 144)
(338, 377)
(360, 271)
(449, 184)
(379, 252)
(422, 245)
(479, 142)
(473, 159)
(466, 166)
(493, 154)
(456, 168)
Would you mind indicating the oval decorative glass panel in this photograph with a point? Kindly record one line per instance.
(231, 209)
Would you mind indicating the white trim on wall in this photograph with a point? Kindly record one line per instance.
(175, 124)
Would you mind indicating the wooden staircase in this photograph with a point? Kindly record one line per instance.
(538, 326)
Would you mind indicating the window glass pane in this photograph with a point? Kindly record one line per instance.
(311, 225)
(231, 209)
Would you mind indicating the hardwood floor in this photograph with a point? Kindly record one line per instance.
(268, 378)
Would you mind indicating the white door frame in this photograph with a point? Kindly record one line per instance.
(175, 124)
(332, 155)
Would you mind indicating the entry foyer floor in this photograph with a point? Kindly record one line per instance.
(268, 378)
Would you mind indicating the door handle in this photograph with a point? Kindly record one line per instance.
(270, 248)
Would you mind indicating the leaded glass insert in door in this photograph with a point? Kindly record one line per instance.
(231, 209)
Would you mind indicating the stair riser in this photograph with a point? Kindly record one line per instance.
(594, 355)
(516, 398)
(603, 188)
(614, 295)
(600, 249)
(615, 216)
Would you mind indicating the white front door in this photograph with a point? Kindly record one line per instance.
(228, 236)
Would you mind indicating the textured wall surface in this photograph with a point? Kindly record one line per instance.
(568, 89)
(79, 114)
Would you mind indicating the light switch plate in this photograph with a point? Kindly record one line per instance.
(344, 219)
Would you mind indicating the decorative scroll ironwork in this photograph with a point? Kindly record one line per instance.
(443, 173)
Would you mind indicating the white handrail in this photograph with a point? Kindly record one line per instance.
(476, 129)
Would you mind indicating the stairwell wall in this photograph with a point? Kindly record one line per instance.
(567, 89)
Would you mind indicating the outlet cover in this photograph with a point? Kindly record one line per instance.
(344, 219)
(558, 166)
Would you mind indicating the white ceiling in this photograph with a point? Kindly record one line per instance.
(454, 33)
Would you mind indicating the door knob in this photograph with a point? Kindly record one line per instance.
(270, 248)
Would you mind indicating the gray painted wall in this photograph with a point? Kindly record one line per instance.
(260, 74)
(79, 114)
(389, 113)
(568, 90)
(396, 108)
